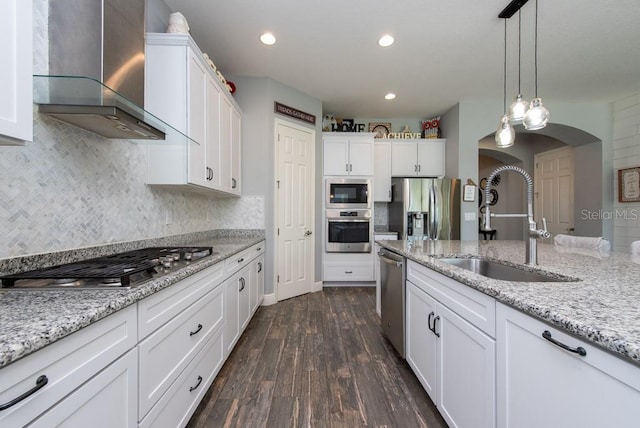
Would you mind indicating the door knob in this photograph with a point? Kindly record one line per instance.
(307, 233)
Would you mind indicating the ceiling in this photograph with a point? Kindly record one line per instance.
(445, 51)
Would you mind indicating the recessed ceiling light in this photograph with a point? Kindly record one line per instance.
(268, 39)
(390, 96)
(386, 40)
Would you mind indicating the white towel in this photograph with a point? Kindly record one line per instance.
(635, 248)
(587, 242)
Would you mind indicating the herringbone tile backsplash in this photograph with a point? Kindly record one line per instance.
(70, 188)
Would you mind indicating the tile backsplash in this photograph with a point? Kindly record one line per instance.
(70, 188)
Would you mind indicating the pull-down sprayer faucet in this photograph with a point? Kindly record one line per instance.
(534, 233)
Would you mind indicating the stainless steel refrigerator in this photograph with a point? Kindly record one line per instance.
(425, 208)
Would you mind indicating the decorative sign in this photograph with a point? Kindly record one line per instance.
(469, 194)
(629, 184)
(294, 113)
(346, 125)
(404, 135)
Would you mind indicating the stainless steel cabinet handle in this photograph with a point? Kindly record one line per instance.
(346, 167)
(429, 319)
(40, 383)
(579, 350)
(241, 284)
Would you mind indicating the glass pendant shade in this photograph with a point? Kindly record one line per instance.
(505, 134)
(537, 116)
(518, 109)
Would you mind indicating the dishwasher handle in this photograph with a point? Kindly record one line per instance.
(390, 261)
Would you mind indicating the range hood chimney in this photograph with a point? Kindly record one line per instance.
(102, 40)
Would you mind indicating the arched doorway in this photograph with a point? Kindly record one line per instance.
(588, 175)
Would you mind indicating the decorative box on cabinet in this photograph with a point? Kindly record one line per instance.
(450, 346)
(542, 384)
(182, 89)
(16, 108)
(418, 158)
(347, 153)
(382, 171)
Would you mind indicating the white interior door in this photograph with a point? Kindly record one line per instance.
(554, 189)
(295, 209)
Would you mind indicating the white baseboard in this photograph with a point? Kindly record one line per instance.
(317, 286)
(349, 284)
(269, 299)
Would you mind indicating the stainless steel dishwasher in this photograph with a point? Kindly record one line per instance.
(392, 297)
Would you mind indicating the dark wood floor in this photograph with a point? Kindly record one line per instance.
(318, 360)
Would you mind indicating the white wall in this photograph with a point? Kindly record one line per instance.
(626, 154)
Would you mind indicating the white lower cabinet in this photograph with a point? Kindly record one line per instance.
(177, 405)
(541, 384)
(453, 359)
(166, 353)
(237, 306)
(77, 368)
(107, 400)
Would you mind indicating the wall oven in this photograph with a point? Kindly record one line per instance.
(348, 193)
(349, 231)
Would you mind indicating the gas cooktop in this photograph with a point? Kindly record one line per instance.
(117, 271)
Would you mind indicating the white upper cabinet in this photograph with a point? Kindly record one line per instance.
(183, 90)
(382, 171)
(418, 158)
(346, 153)
(16, 87)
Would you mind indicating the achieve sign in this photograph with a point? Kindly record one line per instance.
(295, 113)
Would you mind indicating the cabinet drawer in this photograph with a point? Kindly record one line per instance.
(67, 364)
(164, 354)
(159, 308)
(348, 272)
(237, 262)
(176, 406)
(109, 399)
(472, 305)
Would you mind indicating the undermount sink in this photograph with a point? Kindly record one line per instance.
(495, 270)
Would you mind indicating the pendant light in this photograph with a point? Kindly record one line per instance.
(519, 106)
(505, 134)
(537, 116)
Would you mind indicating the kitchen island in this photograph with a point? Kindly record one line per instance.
(33, 319)
(602, 307)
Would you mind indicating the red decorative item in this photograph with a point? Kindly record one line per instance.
(232, 86)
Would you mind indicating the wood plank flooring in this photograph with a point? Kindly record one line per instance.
(318, 360)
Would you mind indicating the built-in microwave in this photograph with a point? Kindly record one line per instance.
(348, 193)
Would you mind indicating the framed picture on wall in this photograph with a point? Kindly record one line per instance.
(469, 193)
(629, 184)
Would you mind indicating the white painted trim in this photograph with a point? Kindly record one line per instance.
(349, 284)
(269, 299)
(317, 286)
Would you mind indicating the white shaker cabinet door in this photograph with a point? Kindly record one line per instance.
(404, 162)
(16, 87)
(382, 171)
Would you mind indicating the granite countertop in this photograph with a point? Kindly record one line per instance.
(603, 307)
(32, 319)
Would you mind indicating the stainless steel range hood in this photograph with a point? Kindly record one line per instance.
(96, 63)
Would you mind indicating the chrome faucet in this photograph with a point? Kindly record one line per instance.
(534, 233)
